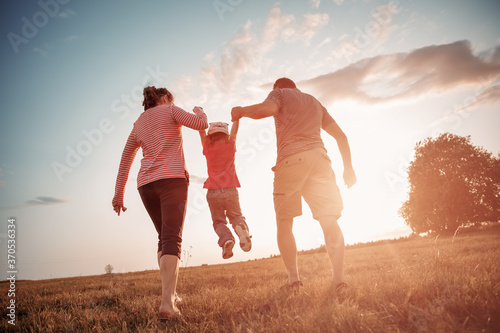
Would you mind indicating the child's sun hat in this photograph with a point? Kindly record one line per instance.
(218, 127)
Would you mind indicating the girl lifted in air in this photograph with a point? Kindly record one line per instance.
(219, 148)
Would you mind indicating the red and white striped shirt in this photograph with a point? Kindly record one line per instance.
(158, 132)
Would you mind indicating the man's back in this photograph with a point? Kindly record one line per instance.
(298, 121)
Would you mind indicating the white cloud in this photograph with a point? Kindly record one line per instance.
(42, 201)
(382, 18)
(312, 24)
(66, 13)
(368, 38)
(338, 2)
(209, 57)
(70, 39)
(489, 96)
(276, 25)
(246, 54)
(209, 78)
(303, 31)
(242, 58)
(43, 52)
(38, 201)
(343, 37)
(238, 56)
(315, 3)
(318, 47)
(325, 41)
(182, 86)
(244, 61)
(404, 76)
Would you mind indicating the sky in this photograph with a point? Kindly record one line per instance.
(391, 73)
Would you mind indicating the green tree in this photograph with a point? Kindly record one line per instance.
(452, 183)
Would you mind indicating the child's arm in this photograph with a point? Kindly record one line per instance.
(234, 129)
(203, 136)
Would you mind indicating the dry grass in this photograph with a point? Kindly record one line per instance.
(417, 285)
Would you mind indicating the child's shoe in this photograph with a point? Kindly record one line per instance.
(244, 236)
(227, 249)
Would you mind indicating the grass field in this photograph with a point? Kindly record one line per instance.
(433, 284)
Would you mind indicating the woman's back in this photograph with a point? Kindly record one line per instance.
(158, 132)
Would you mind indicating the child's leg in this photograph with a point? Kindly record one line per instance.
(217, 207)
(233, 209)
(237, 220)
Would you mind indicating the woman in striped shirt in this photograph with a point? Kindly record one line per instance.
(162, 181)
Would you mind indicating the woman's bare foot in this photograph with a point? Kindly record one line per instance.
(168, 313)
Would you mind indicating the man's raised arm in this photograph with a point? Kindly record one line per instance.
(256, 111)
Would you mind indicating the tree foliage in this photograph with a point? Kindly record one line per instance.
(452, 183)
(108, 269)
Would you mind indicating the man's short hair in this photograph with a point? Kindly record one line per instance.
(284, 82)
